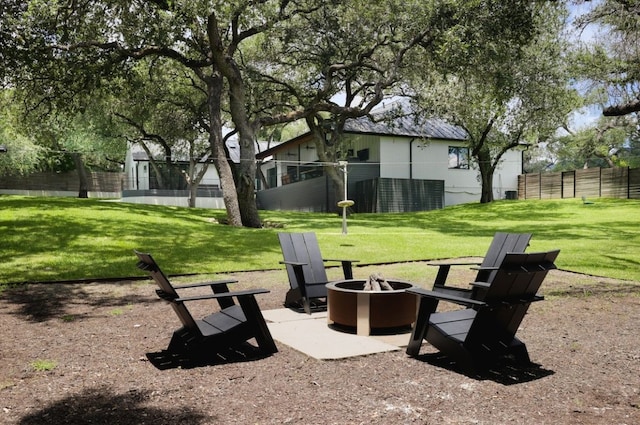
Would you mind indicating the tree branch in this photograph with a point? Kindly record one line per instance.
(624, 109)
(135, 53)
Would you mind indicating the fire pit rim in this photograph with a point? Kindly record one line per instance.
(335, 286)
(367, 310)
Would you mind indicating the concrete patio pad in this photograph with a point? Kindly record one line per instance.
(311, 335)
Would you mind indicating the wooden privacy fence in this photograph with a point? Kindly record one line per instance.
(619, 182)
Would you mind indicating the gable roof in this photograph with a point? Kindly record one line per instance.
(396, 124)
(397, 119)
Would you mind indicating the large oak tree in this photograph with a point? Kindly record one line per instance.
(65, 50)
(259, 62)
(513, 91)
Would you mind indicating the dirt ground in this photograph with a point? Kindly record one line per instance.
(77, 354)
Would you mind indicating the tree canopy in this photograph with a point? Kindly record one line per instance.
(611, 59)
(178, 69)
(514, 93)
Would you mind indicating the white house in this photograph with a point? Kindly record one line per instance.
(407, 165)
(140, 185)
(404, 166)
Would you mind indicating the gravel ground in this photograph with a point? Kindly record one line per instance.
(96, 337)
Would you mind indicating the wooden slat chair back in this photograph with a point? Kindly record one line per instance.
(166, 291)
(509, 297)
(303, 248)
(231, 325)
(306, 271)
(501, 244)
(485, 331)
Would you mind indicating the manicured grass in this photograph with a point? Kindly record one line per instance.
(53, 239)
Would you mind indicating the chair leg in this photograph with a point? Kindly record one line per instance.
(180, 342)
(253, 314)
(519, 352)
(292, 298)
(306, 304)
(347, 269)
(441, 277)
(427, 306)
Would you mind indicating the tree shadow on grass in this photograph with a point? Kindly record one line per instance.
(42, 302)
(166, 359)
(506, 372)
(101, 406)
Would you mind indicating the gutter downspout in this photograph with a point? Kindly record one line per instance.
(411, 203)
(413, 139)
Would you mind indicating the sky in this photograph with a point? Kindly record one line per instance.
(588, 115)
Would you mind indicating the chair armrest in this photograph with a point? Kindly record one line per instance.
(294, 263)
(486, 268)
(220, 295)
(442, 296)
(342, 261)
(200, 284)
(516, 301)
(481, 285)
(475, 263)
(347, 267)
(443, 271)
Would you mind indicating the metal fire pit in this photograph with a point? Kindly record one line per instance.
(349, 305)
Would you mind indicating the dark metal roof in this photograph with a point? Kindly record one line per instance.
(408, 126)
(398, 119)
(388, 121)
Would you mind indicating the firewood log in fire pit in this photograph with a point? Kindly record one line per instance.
(377, 282)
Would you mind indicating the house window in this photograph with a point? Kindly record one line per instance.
(459, 157)
(292, 174)
(272, 177)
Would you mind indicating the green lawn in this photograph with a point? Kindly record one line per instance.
(52, 239)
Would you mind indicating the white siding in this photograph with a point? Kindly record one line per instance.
(430, 162)
(506, 175)
(308, 152)
(404, 158)
(365, 141)
(142, 181)
(210, 177)
(394, 158)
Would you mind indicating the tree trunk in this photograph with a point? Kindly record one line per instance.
(327, 154)
(246, 170)
(247, 188)
(194, 176)
(153, 164)
(245, 198)
(486, 169)
(193, 194)
(336, 177)
(219, 155)
(83, 191)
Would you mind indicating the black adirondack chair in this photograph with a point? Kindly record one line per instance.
(484, 332)
(231, 325)
(501, 244)
(306, 271)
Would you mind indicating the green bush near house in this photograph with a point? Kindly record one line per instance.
(57, 239)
